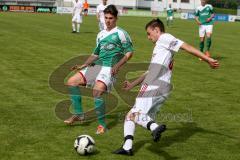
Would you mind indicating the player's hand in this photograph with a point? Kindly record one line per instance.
(127, 86)
(213, 63)
(209, 19)
(78, 67)
(199, 23)
(114, 70)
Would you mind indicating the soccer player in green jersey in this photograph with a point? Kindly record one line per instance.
(169, 15)
(113, 49)
(204, 17)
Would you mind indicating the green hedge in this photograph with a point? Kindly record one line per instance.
(225, 11)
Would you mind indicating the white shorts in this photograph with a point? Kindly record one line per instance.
(77, 18)
(203, 29)
(146, 104)
(170, 18)
(98, 73)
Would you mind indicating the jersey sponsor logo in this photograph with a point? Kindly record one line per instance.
(109, 46)
(204, 14)
(114, 37)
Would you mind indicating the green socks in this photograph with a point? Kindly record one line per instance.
(100, 110)
(209, 42)
(201, 46)
(76, 99)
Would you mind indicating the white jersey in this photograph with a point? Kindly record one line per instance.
(161, 65)
(77, 8)
(100, 9)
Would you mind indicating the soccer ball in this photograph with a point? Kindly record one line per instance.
(84, 145)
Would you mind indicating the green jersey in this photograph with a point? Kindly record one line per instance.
(112, 46)
(169, 12)
(203, 13)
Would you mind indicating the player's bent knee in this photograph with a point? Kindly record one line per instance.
(97, 93)
(130, 116)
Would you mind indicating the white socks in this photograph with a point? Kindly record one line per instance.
(78, 27)
(129, 129)
(73, 27)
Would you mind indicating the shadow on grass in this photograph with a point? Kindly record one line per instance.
(218, 57)
(88, 32)
(184, 133)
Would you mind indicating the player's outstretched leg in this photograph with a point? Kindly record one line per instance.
(156, 133)
(129, 129)
(76, 98)
(209, 42)
(99, 102)
(145, 121)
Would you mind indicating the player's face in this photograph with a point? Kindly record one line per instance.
(203, 2)
(153, 34)
(110, 21)
(104, 2)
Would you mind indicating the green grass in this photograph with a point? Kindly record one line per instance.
(225, 11)
(32, 46)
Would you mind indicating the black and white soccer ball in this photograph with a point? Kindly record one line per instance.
(84, 145)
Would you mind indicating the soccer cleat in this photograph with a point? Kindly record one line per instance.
(101, 129)
(124, 152)
(73, 119)
(157, 132)
(207, 54)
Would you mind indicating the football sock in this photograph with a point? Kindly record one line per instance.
(201, 46)
(76, 99)
(129, 129)
(145, 121)
(128, 141)
(100, 110)
(209, 42)
(151, 125)
(78, 27)
(73, 27)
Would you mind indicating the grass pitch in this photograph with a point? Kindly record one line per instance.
(202, 113)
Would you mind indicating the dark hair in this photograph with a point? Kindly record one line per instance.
(155, 23)
(111, 9)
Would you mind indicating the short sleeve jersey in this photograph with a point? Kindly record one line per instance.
(77, 7)
(112, 46)
(162, 59)
(203, 13)
(169, 12)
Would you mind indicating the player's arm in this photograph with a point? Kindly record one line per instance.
(81, 10)
(197, 20)
(98, 15)
(197, 17)
(129, 85)
(73, 11)
(212, 15)
(88, 62)
(190, 49)
(118, 65)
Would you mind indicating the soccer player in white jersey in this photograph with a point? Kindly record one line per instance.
(155, 84)
(204, 17)
(113, 49)
(100, 15)
(77, 16)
